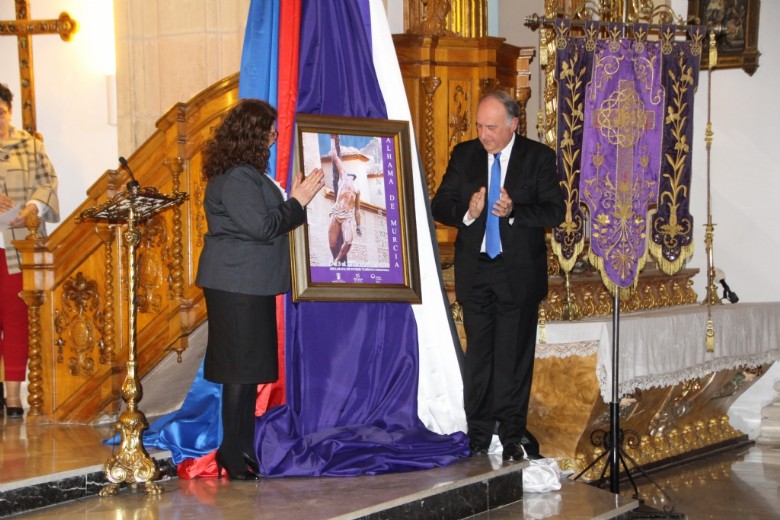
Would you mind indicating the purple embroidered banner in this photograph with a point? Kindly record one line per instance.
(574, 65)
(625, 112)
(621, 153)
(672, 225)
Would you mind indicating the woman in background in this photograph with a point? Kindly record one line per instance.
(244, 264)
(29, 182)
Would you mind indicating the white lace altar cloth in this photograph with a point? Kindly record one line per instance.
(667, 346)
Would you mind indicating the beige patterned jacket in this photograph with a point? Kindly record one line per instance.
(27, 174)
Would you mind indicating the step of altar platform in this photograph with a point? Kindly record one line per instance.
(56, 471)
(461, 490)
(52, 489)
(476, 488)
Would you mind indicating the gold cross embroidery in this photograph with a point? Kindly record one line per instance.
(623, 120)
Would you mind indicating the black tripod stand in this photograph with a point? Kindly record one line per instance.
(614, 439)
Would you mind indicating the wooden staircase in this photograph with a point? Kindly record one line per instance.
(75, 281)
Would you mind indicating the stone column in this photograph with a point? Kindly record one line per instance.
(168, 51)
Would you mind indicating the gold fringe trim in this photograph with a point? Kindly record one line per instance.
(665, 265)
(568, 264)
(625, 292)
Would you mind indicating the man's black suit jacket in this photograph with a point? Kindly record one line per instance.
(532, 183)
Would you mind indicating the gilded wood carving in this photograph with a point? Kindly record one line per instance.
(79, 324)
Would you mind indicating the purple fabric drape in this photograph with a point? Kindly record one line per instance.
(352, 394)
(351, 368)
(337, 75)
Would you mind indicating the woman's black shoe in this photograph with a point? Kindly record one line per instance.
(14, 412)
(251, 463)
(232, 475)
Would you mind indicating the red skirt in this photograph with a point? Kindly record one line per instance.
(14, 346)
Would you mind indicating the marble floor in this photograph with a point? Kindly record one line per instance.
(741, 483)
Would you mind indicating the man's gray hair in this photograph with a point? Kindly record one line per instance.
(510, 104)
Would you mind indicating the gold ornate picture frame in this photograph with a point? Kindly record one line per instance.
(367, 204)
(738, 45)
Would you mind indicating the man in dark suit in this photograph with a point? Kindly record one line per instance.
(500, 266)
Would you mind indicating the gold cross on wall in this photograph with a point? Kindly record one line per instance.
(22, 28)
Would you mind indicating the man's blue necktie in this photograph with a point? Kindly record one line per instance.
(492, 237)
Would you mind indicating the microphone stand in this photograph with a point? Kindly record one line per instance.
(132, 464)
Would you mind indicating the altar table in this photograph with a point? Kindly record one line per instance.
(674, 395)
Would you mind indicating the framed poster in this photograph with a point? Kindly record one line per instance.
(359, 241)
(738, 43)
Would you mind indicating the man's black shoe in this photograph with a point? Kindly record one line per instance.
(533, 456)
(513, 451)
(477, 449)
(531, 445)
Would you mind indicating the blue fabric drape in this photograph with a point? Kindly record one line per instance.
(196, 428)
(258, 76)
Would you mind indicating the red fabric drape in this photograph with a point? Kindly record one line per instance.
(272, 394)
(289, 47)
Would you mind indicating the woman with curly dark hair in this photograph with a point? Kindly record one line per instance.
(244, 264)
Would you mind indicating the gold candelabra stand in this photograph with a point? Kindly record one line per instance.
(709, 235)
(132, 464)
(712, 293)
(571, 311)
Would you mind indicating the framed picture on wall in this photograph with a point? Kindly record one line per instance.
(359, 241)
(738, 42)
